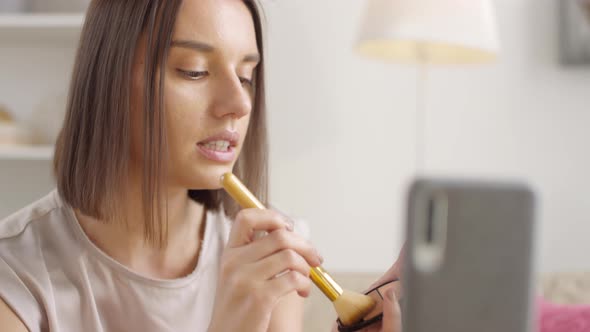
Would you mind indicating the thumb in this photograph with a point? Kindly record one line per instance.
(392, 316)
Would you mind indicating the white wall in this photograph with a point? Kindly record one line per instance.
(342, 133)
(342, 129)
(527, 116)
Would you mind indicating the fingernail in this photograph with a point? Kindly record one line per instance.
(320, 257)
(289, 224)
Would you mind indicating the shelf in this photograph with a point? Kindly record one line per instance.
(41, 21)
(24, 29)
(40, 152)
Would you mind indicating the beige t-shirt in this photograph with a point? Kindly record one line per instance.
(57, 280)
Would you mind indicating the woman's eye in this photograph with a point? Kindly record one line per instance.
(194, 75)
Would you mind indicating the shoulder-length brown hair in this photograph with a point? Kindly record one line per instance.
(93, 149)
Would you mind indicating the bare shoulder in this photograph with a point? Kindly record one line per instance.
(9, 321)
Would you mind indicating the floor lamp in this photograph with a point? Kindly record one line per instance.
(428, 33)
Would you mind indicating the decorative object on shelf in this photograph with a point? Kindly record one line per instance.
(47, 118)
(13, 6)
(574, 32)
(59, 6)
(4, 115)
(11, 133)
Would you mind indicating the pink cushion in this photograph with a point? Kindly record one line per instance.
(562, 318)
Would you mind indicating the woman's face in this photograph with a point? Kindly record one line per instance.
(208, 94)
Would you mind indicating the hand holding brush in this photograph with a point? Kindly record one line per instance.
(252, 278)
(351, 307)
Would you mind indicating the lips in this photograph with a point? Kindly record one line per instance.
(219, 147)
(230, 137)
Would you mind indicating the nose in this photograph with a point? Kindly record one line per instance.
(232, 98)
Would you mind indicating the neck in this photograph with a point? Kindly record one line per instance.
(126, 243)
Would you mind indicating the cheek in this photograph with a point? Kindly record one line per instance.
(243, 124)
(185, 112)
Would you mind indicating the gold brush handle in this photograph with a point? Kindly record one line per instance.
(238, 191)
(325, 283)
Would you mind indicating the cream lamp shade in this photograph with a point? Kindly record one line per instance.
(429, 31)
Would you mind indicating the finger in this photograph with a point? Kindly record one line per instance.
(248, 221)
(282, 240)
(392, 318)
(399, 264)
(394, 272)
(334, 327)
(289, 282)
(280, 262)
(374, 328)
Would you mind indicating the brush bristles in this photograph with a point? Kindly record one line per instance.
(352, 307)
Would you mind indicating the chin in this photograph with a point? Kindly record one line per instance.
(207, 178)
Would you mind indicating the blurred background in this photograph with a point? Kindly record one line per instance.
(343, 126)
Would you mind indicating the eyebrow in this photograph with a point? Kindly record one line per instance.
(204, 47)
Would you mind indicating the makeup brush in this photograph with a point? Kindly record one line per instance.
(351, 307)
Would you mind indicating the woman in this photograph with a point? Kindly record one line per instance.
(166, 96)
